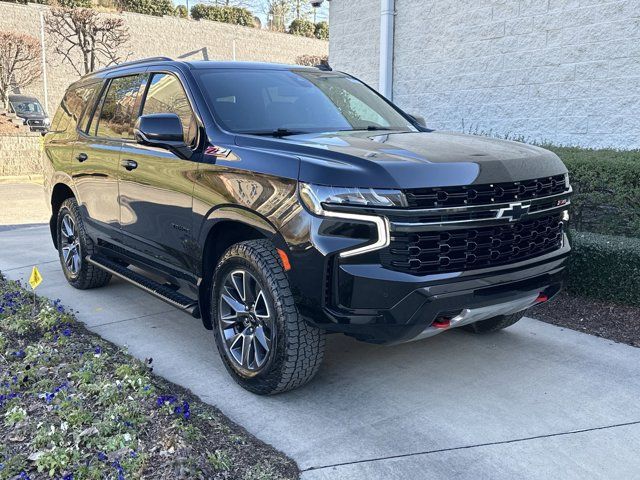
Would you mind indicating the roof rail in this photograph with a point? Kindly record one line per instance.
(135, 62)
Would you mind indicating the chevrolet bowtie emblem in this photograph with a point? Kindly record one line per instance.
(515, 211)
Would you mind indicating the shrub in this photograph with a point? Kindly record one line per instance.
(606, 186)
(302, 27)
(312, 60)
(181, 11)
(148, 7)
(234, 15)
(322, 31)
(605, 267)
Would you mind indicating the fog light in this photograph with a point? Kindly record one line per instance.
(565, 215)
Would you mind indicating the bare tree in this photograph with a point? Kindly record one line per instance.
(19, 62)
(83, 33)
(278, 13)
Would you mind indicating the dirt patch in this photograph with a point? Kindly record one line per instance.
(607, 320)
(9, 127)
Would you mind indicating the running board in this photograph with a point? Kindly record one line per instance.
(156, 289)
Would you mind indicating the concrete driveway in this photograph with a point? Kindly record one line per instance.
(534, 401)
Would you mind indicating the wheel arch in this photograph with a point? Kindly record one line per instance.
(59, 193)
(227, 226)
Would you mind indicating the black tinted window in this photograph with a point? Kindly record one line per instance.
(166, 95)
(75, 105)
(254, 101)
(118, 109)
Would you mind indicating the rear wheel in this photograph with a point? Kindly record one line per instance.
(73, 246)
(494, 324)
(264, 343)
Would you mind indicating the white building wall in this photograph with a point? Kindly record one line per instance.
(560, 71)
(355, 24)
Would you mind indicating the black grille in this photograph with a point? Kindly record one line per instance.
(486, 194)
(468, 249)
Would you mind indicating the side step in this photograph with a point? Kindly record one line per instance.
(156, 289)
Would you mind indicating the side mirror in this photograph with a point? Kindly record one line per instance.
(162, 130)
(419, 120)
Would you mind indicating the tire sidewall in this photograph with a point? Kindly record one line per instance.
(64, 211)
(267, 377)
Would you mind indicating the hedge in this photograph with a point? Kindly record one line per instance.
(606, 186)
(303, 28)
(148, 7)
(606, 267)
(234, 15)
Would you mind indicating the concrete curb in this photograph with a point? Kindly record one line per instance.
(35, 178)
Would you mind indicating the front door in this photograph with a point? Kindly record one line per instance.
(156, 186)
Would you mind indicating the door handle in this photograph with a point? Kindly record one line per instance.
(129, 164)
(82, 157)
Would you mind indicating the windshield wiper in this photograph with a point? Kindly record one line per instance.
(371, 128)
(279, 133)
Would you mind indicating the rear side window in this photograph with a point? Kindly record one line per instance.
(76, 103)
(166, 95)
(118, 109)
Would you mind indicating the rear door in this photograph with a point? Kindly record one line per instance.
(156, 186)
(97, 153)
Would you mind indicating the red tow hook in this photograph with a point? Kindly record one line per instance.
(442, 323)
(543, 297)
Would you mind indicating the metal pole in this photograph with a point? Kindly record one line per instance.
(387, 24)
(44, 63)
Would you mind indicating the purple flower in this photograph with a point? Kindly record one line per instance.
(102, 456)
(164, 399)
(24, 476)
(66, 332)
(68, 476)
(19, 354)
(97, 351)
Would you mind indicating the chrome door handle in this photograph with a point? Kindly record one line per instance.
(129, 164)
(82, 157)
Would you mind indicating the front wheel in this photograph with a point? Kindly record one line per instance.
(264, 343)
(494, 324)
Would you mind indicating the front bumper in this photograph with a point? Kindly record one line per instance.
(378, 305)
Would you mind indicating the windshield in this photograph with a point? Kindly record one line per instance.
(27, 107)
(284, 101)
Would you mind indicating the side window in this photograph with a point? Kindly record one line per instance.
(118, 108)
(76, 102)
(166, 95)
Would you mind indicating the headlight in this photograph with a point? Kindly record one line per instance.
(315, 196)
(47, 121)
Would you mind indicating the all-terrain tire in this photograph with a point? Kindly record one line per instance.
(88, 275)
(494, 324)
(297, 347)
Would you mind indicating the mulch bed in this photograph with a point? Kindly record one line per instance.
(607, 320)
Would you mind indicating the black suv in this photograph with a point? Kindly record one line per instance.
(278, 203)
(30, 111)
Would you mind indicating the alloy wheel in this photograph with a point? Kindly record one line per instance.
(70, 245)
(245, 321)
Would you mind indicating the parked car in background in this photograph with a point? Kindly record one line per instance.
(30, 110)
(278, 203)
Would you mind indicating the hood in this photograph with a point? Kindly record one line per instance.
(410, 159)
(31, 116)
